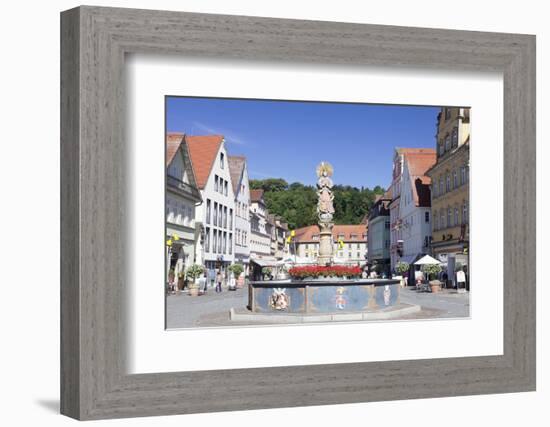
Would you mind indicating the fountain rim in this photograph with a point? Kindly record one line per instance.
(322, 282)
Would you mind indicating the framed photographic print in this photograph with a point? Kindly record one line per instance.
(286, 213)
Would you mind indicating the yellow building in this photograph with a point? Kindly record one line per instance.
(450, 187)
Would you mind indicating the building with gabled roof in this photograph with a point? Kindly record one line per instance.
(415, 205)
(213, 175)
(241, 189)
(182, 199)
(396, 224)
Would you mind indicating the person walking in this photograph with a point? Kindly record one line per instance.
(219, 279)
(203, 283)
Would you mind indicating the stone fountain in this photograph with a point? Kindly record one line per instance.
(327, 298)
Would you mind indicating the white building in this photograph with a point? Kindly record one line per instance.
(241, 189)
(260, 233)
(182, 198)
(415, 205)
(216, 213)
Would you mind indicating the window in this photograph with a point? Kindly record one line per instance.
(463, 175)
(225, 188)
(447, 113)
(441, 148)
(436, 223)
(456, 216)
(387, 225)
(441, 190)
(225, 217)
(426, 241)
(220, 215)
(208, 211)
(221, 160)
(442, 218)
(215, 213)
(224, 242)
(447, 142)
(231, 218)
(214, 241)
(207, 239)
(449, 217)
(230, 243)
(434, 190)
(465, 213)
(448, 183)
(454, 137)
(216, 183)
(455, 178)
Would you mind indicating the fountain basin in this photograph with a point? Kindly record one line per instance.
(322, 295)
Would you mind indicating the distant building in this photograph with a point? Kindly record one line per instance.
(450, 186)
(209, 160)
(182, 197)
(241, 189)
(260, 230)
(350, 244)
(379, 232)
(415, 205)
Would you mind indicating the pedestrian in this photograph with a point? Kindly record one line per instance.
(219, 282)
(203, 283)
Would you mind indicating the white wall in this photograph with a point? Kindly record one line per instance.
(414, 228)
(30, 329)
(228, 201)
(242, 219)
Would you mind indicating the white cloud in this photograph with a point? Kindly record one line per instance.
(230, 137)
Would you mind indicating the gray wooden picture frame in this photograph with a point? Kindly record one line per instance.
(94, 382)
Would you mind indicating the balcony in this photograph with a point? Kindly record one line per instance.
(183, 188)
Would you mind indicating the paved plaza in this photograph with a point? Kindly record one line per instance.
(212, 309)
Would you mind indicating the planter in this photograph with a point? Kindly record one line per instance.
(193, 290)
(435, 285)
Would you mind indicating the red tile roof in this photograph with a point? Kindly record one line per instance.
(203, 151)
(236, 166)
(418, 164)
(305, 234)
(257, 195)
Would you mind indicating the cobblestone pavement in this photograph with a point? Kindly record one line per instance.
(212, 309)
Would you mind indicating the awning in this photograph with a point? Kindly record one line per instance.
(265, 262)
(427, 260)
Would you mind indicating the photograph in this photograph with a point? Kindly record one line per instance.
(301, 212)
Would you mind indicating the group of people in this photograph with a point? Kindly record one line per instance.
(219, 278)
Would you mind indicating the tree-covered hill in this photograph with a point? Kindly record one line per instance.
(297, 203)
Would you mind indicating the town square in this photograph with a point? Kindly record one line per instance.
(354, 231)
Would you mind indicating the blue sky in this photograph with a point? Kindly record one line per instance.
(287, 139)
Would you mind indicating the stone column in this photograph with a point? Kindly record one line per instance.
(325, 247)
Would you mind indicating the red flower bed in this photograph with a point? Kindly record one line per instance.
(324, 271)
